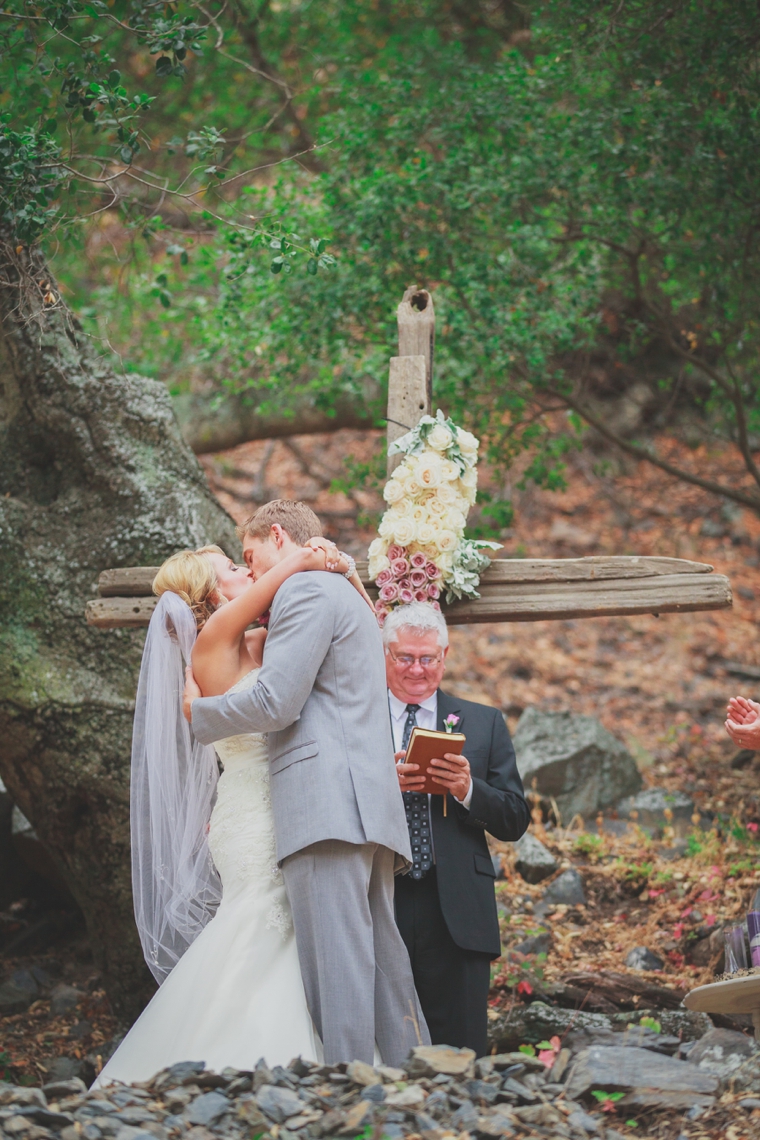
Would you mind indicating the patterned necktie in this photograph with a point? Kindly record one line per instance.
(417, 808)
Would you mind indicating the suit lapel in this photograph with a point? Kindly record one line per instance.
(446, 706)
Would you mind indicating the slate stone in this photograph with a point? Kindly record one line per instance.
(278, 1103)
(14, 998)
(64, 999)
(57, 1089)
(375, 1093)
(575, 761)
(18, 1095)
(641, 958)
(465, 1118)
(430, 1060)
(723, 1052)
(536, 944)
(209, 1107)
(746, 1079)
(482, 1092)
(567, 888)
(362, 1074)
(651, 803)
(620, 1068)
(582, 1122)
(674, 1101)
(533, 861)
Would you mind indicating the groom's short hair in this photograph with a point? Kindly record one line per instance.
(296, 519)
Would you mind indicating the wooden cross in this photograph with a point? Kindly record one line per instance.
(511, 589)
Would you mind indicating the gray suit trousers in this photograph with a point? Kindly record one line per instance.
(354, 964)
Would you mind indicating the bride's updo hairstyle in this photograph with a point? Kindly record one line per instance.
(191, 575)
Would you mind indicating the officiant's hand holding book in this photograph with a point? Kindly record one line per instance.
(434, 764)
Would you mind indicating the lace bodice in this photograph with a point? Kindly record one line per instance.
(241, 834)
(248, 747)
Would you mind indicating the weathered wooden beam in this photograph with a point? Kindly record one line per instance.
(416, 334)
(524, 598)
(407, 399)
(138, 580)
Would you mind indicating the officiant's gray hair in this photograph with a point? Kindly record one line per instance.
(419, 617)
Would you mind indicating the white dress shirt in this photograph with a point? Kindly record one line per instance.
(427, 717)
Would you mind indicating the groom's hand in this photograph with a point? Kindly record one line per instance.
(191, 692)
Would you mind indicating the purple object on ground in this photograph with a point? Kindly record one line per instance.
(753, 928)
(736, 950)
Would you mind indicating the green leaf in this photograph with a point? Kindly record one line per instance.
(114, 78)
(125, 154)
(50, 127)
(311, 267)
(164, 67)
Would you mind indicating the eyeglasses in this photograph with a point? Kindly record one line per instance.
(405, 660)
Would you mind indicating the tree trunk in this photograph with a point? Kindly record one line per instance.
(93, 474)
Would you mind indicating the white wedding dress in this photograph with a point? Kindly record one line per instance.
(236, 994)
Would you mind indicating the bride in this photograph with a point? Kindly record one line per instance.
(210, 904)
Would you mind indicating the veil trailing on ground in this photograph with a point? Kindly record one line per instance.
(175, 884)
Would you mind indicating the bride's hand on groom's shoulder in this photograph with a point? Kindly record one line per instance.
(191, 691)
(325, 555)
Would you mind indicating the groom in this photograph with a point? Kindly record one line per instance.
(339, 817)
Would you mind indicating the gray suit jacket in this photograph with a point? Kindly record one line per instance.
(321, 697)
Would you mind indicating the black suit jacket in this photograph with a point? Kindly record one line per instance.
(465, 872)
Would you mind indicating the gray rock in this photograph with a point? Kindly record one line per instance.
(18, 1095)
(430, 1060)
(581, 1121)
(575, 761)
(615, 1068)
(567, 888)
(64, 1000)
(56, 1089)
(209, 1107)
(723, 1052)
(746, 1078)
(278, 1103)
(533, 861)
(680, 1100)
(650, 805)
(17, 993)
(640, 958)
(465, 1118)
(536, 944)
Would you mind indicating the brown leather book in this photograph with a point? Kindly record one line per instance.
(426, 745)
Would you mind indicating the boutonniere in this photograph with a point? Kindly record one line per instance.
(451, 721)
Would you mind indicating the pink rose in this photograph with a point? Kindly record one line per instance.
(436, 606)
(384, 577)
(405, 584)
(396, 551)
(405, 596)
(381, 612)
(432, 570)
(420, 596)
(418, 578)
(418, 560)
(433, 592)
(400, 567)
(389, 592)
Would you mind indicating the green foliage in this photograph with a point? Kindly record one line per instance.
(587, 844)
(651, 1023)
(587, 194)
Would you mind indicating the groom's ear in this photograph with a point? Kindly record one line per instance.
(277, 535)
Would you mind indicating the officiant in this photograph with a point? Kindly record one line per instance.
(446, 904)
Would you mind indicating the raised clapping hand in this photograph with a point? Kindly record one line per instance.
(452, 773)
(743, 723)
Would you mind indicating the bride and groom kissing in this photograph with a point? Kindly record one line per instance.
(264, 896)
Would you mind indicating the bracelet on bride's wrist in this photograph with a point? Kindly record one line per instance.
(351, 565)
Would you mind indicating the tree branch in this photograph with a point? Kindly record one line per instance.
(746, 498)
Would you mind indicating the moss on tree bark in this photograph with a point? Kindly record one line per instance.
(93, 473)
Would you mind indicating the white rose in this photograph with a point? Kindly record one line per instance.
(394, 491)
(454, 520)
(444, 561)
(376, 564)
(449, 471)
(436, 509)
(387, 522)
(426, 534)
(376, 547)
(404, 531)
(469, 478)
(439, 438)
(419, 513)
(429, 470)
(447, 494)
(468, 444)
(446, 541)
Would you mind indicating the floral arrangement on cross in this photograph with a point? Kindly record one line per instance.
(421, 552)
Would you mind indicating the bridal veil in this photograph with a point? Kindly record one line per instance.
(175, 885)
